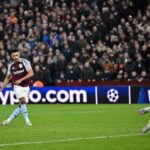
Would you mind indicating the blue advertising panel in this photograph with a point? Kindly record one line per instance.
(52, 95)
(73, 95)
(113, 94)
(143, 95)
(140, 94)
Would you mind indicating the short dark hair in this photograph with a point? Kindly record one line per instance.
(13, 51)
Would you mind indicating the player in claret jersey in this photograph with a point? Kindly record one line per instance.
(19, 72)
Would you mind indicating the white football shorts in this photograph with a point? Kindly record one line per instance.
(21, 91)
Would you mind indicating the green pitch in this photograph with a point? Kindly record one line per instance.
(76, 127)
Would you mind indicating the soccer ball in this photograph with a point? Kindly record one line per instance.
(38, 84)
(112, 95)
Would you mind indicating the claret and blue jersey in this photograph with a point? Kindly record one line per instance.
(19, 69)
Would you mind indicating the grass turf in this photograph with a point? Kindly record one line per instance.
(62, 126)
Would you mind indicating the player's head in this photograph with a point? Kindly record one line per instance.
(15, 55)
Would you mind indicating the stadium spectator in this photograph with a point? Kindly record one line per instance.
(87, 72)
(38, 74)
(97, 76)
(143, 76)
(53, 33)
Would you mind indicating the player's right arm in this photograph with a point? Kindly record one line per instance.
(6, 81)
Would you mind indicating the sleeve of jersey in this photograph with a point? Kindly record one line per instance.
(8, 71)
(27, 65)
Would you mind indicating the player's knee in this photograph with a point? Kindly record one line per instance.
(22, 100)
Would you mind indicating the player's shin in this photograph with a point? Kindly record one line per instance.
(15, 113)
(25, 113)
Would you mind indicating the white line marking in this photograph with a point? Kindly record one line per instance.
(79, 112)
(76, 112)
(71, 139)
(96, 96)
(129, 93)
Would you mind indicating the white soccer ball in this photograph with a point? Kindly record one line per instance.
(112, 95)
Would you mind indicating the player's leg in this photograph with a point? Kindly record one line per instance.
(24, 111)
(22, 94)
(144, 110)
(146, 127)
(15, 113)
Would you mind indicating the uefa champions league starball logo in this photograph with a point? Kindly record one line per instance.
(112, 95)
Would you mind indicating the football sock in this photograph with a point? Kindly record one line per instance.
(147, 108)
(15, 113)
(24, 112)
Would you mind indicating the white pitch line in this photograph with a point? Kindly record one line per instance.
(77, 112)
(70, 140)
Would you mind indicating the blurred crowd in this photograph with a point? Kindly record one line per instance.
(78, 40)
